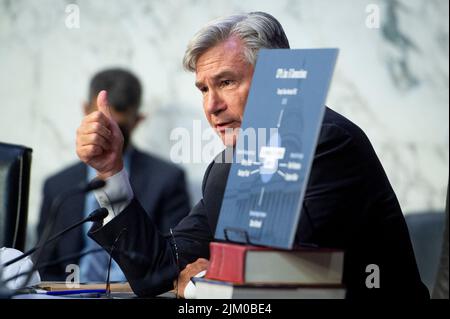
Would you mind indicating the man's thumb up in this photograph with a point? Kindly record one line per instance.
(102, 104)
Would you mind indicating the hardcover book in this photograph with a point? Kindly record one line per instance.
(211, 289)
(243, 264)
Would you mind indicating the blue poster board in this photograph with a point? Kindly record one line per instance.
(276, 146)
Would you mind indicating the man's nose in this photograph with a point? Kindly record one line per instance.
(214, 102)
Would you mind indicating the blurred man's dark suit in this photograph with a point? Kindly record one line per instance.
(349, 204)
(159, 185)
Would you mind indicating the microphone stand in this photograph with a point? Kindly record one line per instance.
(129, 254)
(54, 208)
(96, 216)
(113, 246)
(56, 203)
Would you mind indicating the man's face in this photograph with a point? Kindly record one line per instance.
(224, 77)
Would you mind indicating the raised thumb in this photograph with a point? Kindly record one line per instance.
(102, 103)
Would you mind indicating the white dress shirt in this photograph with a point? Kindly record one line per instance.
(117, 187)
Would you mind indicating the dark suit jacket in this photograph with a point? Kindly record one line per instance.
(159, 185)
(349, 204)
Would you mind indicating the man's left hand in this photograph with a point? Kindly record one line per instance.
(187, 273)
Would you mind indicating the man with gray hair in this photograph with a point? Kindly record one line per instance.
(349, 203)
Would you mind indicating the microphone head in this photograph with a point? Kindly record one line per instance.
(94, 184)
(98, 215)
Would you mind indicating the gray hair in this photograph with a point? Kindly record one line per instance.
(256, 30)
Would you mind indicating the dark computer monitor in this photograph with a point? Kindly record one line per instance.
(15, 165)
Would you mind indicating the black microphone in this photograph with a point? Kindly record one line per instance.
(96, 216)
(130, 254)
(54, 208)
(92, 185)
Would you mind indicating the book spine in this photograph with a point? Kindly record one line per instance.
(227, 263)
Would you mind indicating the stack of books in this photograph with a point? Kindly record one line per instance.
(243, 271)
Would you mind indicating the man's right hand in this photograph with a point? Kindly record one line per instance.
(100, 141)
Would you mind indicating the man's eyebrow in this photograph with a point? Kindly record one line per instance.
(219, 75)
(224, 74)
(198, 84)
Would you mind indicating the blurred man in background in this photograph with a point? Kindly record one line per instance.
(159, 185)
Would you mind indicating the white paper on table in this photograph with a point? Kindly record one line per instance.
(23, 265)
